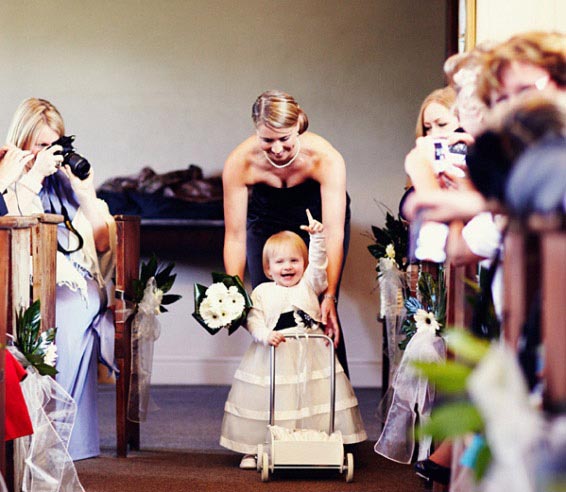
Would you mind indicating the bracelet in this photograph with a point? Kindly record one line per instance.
(331, 296)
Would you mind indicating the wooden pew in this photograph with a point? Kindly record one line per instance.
(535, 260)
(127, 270)
(44, 257)
(20, 237)
(15, 241)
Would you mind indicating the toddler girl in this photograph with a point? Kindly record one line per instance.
(289, 304)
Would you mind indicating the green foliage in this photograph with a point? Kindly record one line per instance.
(468, 347)
(396, 232)
(482, 462)
(30, 342)
(432, 296)
(164, 280)
(457, 418)
(448, 378)
(453, 420)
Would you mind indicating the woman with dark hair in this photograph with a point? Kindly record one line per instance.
(287, 169)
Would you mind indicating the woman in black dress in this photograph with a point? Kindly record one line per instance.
(287, 170)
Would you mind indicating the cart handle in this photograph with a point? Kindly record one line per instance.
(332, 377)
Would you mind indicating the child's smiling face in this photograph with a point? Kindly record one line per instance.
(286, 266)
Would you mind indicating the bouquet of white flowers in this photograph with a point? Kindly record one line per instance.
(225, 304)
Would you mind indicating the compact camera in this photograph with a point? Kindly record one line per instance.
(80, 167)
(445, 156)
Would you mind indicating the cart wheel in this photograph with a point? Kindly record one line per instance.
(264, 467)
(259, 457)
(349, 467)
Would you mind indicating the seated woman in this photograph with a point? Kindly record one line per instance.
(84, 263)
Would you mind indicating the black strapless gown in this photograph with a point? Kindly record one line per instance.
(271, 210)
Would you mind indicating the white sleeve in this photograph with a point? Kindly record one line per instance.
(315, 274)
(22, 199)
(256, 322)
(482, 235)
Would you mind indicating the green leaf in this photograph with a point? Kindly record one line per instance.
(170, 299)
(483, 460)
(45, 369)
(452, 420)
(448, 377)
(466, 346)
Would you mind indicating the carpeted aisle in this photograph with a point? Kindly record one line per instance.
(180, 452)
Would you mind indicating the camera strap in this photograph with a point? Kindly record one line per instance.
(68, 225)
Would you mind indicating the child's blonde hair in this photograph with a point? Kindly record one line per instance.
(278, 241)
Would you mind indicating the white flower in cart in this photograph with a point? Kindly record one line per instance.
(50, 356)
(426, 322)
(214, 313)
(235, 302)
(390, 251)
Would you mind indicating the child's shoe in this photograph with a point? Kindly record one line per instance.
(248, 462)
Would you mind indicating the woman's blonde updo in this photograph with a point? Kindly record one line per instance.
(29, 119)
(277, 110)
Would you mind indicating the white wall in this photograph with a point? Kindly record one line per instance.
(497, 20)
(170, 83)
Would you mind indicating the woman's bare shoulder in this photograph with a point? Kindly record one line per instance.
(322, 150)
(240, 159)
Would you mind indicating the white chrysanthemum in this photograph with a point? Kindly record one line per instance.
(426, 322)
(235, 302)
(50, 356)
(214, 313)
(390, 251)
(217, 291)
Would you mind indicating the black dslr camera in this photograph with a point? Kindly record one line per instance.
(80, 167)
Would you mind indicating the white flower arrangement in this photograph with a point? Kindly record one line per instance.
(225, 304)
(221, 305)
(426, 322)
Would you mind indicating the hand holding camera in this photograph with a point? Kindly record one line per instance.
(46, 162)
(79, 166)
(448, 157)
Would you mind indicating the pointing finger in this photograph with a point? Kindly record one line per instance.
(309, 216)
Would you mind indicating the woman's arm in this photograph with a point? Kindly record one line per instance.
(235, 211)
(97, 216)
(332, 179)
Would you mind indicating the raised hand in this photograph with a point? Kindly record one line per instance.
(12, 163)
(314, 225)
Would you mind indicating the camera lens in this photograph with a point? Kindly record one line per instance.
(80, 167)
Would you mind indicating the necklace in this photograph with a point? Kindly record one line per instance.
(281, 166)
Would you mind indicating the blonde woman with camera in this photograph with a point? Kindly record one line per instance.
(85, 259)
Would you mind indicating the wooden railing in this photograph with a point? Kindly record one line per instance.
(535, 264)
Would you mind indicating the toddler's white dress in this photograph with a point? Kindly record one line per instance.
(302, 393)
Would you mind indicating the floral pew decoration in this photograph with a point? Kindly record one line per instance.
(502, 441)
(410, 397)
(41, 460)
(222, 306)
(389, 247)
(151, 295)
